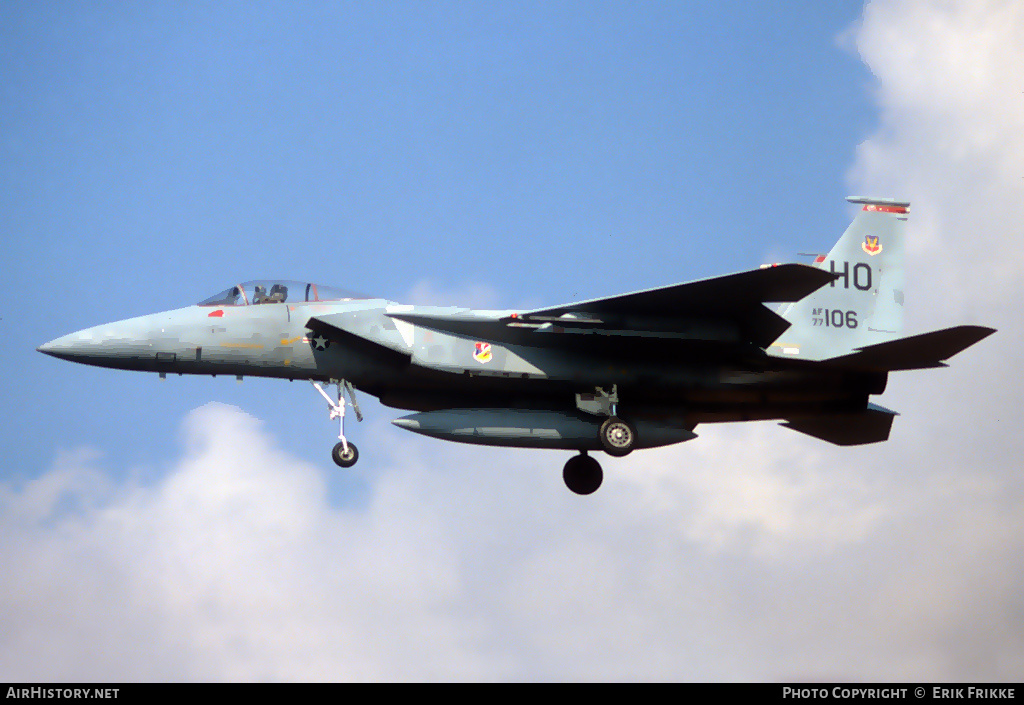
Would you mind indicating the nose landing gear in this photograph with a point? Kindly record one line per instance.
(344, 454)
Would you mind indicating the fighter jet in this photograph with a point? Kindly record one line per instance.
(803, 344)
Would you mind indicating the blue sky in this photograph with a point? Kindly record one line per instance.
(505, 155)
(532, 153)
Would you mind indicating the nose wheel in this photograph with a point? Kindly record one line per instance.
(345, 454)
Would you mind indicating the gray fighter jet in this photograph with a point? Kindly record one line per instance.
(616, 374)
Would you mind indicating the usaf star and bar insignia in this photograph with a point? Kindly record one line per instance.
(319, 342)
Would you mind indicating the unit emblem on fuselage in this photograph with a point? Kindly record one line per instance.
(482, 353)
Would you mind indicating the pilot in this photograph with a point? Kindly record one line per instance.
(261, 294)
(278, 294)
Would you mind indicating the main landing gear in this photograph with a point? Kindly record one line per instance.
(583, 474)
(344, 453)
(617, 437)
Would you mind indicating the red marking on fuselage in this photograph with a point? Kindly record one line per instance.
(216, 314)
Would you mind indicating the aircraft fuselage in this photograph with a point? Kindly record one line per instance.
(445, 371)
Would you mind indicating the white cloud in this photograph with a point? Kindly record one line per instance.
(952, 105)
(233, 566)
(476, 564)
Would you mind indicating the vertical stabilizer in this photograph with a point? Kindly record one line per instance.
(864, 305)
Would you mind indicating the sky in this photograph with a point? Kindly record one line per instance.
(506, 155)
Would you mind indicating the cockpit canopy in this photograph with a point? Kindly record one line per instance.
(277, 291)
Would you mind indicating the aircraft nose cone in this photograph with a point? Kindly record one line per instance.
(66, 347)
(102, 345)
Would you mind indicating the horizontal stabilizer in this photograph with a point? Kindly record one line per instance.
(916, 352)
(851, 429)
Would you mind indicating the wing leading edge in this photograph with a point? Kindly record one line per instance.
(725, 294)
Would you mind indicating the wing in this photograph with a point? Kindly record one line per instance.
(726, 294)
(728, 309)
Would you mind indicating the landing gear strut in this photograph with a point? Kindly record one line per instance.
(617, 436)
(582, 474)
(345, 454)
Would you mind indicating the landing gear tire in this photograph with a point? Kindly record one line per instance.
(582, 474)
(345, 459)
(618, 437)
